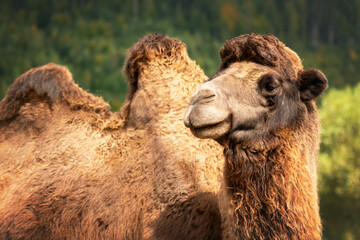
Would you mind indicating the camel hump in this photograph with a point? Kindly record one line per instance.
(156, 47)
(53, 83)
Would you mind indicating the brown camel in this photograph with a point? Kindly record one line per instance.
(72, 169)
(260, 107)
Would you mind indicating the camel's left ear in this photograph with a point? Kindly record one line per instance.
(312, 83)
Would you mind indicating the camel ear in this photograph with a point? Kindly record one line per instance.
(312, 83)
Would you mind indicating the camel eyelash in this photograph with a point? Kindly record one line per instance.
(268, 85)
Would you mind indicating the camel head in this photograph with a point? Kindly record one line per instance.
(261, 88)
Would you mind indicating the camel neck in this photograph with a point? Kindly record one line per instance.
(272, 193)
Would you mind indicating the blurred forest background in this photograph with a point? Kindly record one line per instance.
(91, 38)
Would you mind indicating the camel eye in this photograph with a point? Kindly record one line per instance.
(270, 87)
(268, 84)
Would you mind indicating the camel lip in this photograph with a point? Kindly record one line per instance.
(205, 127)
(213, 131)
(201, 126)
(204, 118)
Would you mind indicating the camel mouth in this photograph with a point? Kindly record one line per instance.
(213, 131)
(206, 116)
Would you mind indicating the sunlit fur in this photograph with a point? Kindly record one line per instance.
(72, 169)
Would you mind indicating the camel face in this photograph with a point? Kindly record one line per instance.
(248, 101)
(231, 101)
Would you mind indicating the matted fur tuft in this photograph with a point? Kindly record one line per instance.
(53, 83)
(263, 49)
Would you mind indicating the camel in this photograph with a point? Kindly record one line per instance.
(260, 107)
(72, 169)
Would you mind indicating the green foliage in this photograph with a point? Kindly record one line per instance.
(339, 163)
(91, 36)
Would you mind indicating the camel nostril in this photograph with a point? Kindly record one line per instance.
(204, 96)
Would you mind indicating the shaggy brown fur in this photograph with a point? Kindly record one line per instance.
(44, 82)
(265, 50)
(263, 112)
(71, 169)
